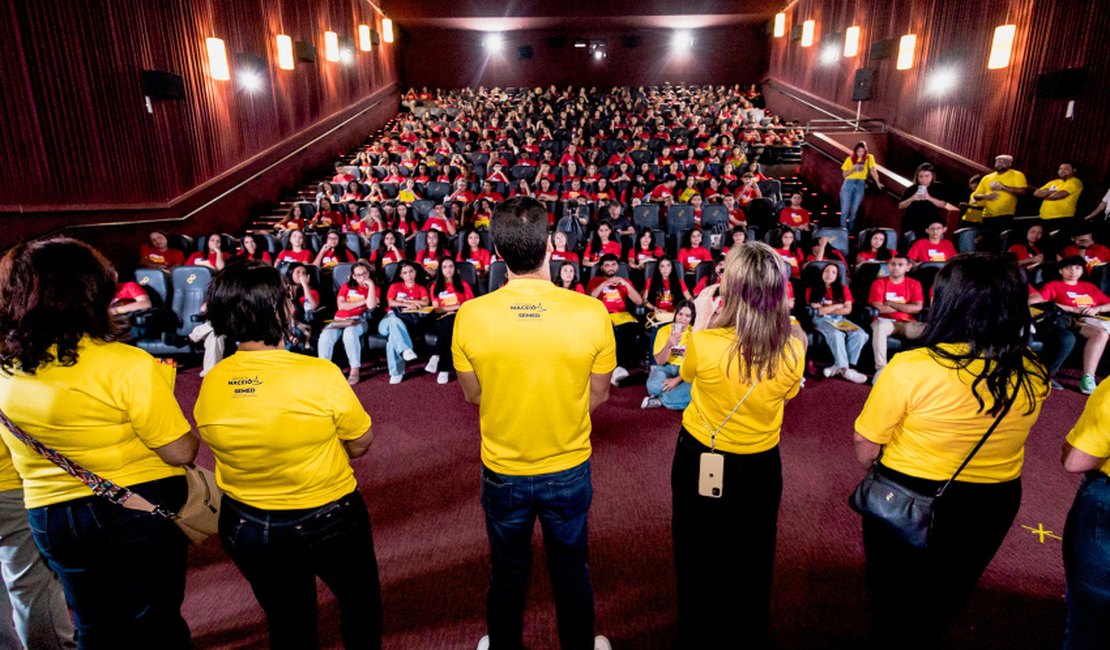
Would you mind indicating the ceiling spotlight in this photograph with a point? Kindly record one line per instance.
(599, 55)
(494, 42)
(250, 80)
(682, 40)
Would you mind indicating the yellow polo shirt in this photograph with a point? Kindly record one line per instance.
(275, 422)
(868, 165)
(1091, 434)
(925, 414)
(9, 478)
(718, 386)
(1063, 207)
(533, 347)
(678, 352)
(1006, 203)
(107, 412)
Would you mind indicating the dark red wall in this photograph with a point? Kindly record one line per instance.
(990, 111)
(88, 150)
(453, 58)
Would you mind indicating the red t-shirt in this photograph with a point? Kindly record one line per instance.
(390, 257)
(792, 260)
(430, 261)
(828, 297)
(608, 248)
(906, 291)
(304, 256)
(1021, 251)
(128, 292)
(465, 196)
(640, 255)
(923, 250)
(689, 258)
(660, 192)
(398, 291)
(665, 300)
(358, 294)
(611, 297)
(480, 258)
(200, 259)
(168, 258)
(1095, 255)
(436, 223)
(448, 297)
(331, 258)
(564, 256)
(1080, 294)
(794, 217)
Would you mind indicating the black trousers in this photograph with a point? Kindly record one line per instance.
(629, 345)
(916, 594)
(724, 548)
(444, 329)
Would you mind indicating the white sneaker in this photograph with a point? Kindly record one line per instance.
(395, 379)
(830, 371)
(855, 376)
(619, 375)
(651, 402)
(601, 643)
(433, 365)
(443, 378)
(408, 355)
(483, 644)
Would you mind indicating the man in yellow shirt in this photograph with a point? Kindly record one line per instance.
(537, 360)
(996, 196)
(1059, 196)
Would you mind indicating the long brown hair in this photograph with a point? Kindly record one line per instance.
(866, 151)
(753, 291)
(52, 294)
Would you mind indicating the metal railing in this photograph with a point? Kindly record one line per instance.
(842, 125)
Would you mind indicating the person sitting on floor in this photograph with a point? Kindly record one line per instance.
(664, 385)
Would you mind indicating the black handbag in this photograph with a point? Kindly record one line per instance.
(908, 513)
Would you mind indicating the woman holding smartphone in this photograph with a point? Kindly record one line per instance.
(857, 168)
(665, 388)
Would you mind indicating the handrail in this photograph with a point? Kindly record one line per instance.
(841, 124)
(222, 195)
(893, 176)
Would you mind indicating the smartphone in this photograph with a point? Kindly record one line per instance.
(711, 476)
(921, 190)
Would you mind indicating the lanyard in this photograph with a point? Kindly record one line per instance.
(712, 433)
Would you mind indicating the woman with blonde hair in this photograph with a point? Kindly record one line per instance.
(744, 363)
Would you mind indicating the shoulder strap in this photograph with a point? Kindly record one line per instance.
(99, 485)
(990, 430)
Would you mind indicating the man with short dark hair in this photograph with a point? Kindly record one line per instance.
(614, 292)
(898, 299)
(1059, 196)
(537, 360)
(664, 192)
(997, 196)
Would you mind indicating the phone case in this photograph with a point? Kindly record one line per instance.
(711, 475)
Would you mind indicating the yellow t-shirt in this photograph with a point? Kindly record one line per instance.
(678, 352)
(868, 164)
(106, 412)
(1006, 203)
(974, 213)
(718, 386)
(1063, 207)
(275, 422)
(533, 347)
(9, 478)
(928, 418)
(1091, 434)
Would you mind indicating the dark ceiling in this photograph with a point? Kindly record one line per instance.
(488, 15)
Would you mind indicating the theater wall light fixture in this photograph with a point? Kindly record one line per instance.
(285, 52)
(217, 59)
(331, 46)
(851, 41)
(809, 27)
(1002, 47)
(364, 43)
(387, 30)
(906, 47)
(780, 24)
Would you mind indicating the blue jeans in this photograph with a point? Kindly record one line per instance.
(561, 500)
(1087, 565)
(122, 571)
(677, 398)
(851, 197)
(845, 346)
(281, 552)
(352, 343)
(398, 340)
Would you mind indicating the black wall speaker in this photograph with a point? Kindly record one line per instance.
(524, 52)
(375, 38)
(304, 52)
(1062, 84)
(159, 84)
(862, 85)
(796, 33)
(556, 42)
(883, 49)
(630, 40)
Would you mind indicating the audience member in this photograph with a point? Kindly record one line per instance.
(449, 292)
(832, 304)
(355, 302)
(665, 388)
(997, 195)
(409, 297)
(924, 202)
(158, 255)
(614, 292)
(1085, 302)
(933, 247)
(856, 169)
(1059, 197)
(898, 299)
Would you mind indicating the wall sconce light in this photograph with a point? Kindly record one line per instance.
(364, 43)
(387, 30)
(217, 59)
(331, 46)
(780, 25)
(808, 27)
(285, 52)
(1002, 47)
(906, 47)
(851, 41)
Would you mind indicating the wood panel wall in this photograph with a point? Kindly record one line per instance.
(989, 111)
(74, 127)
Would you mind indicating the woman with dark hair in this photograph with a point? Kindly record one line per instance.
(857, 168)
(603, 242)
(355, 302)
(58, 344)
(250, 250)
(1029, 252)
(291, 511)
(712, 278)
(295, 250)
(785, 244)
(665, 288)
(390, 250)
(832, 301)
(926, 413)
(212, 255)
(433, 253)
(333, 252)
(295, 220)
(568, 278)
(924, 203)
(665, 387)
(449, 292)
(693, 252)
(875, 249)
(405, 295)
(305, 299)
(472, 251)
(644, 251)
(744, 363)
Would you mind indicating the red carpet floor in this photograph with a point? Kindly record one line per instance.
(421, 480)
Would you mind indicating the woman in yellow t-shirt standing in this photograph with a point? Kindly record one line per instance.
(291, 509)
(928, 410)
(856, 169)
(726, 481)
(69, 383)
